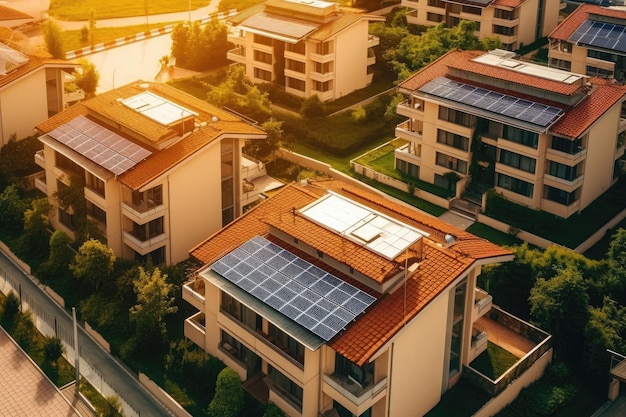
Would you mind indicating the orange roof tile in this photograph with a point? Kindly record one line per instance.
(440, 267)
(569, 25)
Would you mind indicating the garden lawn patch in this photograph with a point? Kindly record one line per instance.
(493, 235)
(112, 9)
(72, 38)
(462, 400)
(494, 361)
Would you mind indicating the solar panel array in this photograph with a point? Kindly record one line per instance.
(502, 104)
(601, 34)
(157, 108)
(310, 296)
(107, 149)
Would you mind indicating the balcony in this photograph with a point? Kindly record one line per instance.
(193, 293)
(506, 22)
(562, 183)
(566, 158)
(482, 304)
(372, 41)
(237, 54)
(360, 396)
(411, 14)
(408, 153)
(322, 77)
(406, 109)
(40, 183)
(559, 209)
(39, 159)
(146, 246)
(195, 329)
(71, 96)
(371, 59)
(480, 341)
(140, 211)
(405, 130)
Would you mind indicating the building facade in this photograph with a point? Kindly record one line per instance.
(547, 139)
(515, 22)
(24, 72)
(307, 47)
(325, 296)
(591, 41)
(159, 169)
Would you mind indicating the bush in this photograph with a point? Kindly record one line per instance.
(185, 362)
(53, 349)
(229, 397)
(10, 309)
(25, 331)
(272, 410)
(312, 107)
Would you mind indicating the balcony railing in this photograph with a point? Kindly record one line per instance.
(405, 131)
(193, 293)
(406, 109)
(237, 54)
(195, 330)
(352, 390)
(483, 303)
(144, 246)
(39, 159)
(372, 41)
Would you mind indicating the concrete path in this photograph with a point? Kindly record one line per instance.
(101, 369)
(457, 220)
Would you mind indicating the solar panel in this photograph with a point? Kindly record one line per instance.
(502, 104)
(310, 296)
(600, 34)
(100, 145)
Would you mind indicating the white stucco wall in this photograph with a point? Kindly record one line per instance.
(23, 104)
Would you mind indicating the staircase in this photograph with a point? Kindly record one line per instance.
(470, 203)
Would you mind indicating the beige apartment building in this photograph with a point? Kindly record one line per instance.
(331, 300)
(160, 169)
(515, 22)
(591, 41)
(308, 47)
(33, 86)
(545, 138)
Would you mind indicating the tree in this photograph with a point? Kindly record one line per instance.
(112, 407)
(229, 396)
(12, 208)
(605, 330)
(154, 303)
(53, 39)
(59, 258)
(53, 349)
(87, 77)
(179, 44)
(312, 107)
(92, 25)
(560, 306)
(617, 250)
(34, 240)
(272, 410)
(93, 263)
(11, 308)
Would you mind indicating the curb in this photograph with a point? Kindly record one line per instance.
(141, 36)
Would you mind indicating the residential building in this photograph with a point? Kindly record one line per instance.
(591, 41)
(306, 47)
(33, 86)
(545, 138)
(160, 169)
(515, 22)
(331, 297)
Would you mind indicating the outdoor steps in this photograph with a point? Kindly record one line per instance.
(466, 208)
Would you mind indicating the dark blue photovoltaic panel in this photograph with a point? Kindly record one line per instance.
(601, 35)
(301, 291)
(503, 104)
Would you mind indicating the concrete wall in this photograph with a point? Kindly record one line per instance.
(351, 59)
(18, 115)
(171, 404)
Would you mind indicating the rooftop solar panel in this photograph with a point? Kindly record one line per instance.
(100, 145)
(502, 104)
(600, 34)
(301, 291)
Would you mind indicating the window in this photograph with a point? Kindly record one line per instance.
(434, 17)
(362, 375)
(263, 40)
(294, 65)
(445, 183)
(261, 56)
(322, 86)
(67, 219)
(408, 168)
(452, 139)
(565, 172)
(324, 67)
(148, 230)
(96, 212)
(518, 161)
(517, 186)
(291, 391)
(262, 74)
(601, 55)
(94, 183)
(599, 72)
(296, 84)
(570, 146)
(156, 257)
(503, 30)
(561, 64)
(471, 10)
(234, 347)
(504, 14)
(436, 3)
(68, 165)
(286, 343)
(455, 164)
(523, 137)
(324, 48)
(560, 196)
(298, 48)
(455, 116)
(241, 313)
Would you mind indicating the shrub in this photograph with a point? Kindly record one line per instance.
(53, 349)
(272, 410)
(229, 397)
(312, 107)
(25, 331)
(10, 308)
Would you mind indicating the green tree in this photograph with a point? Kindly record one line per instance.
(312, 107)
(180, 34)
(34, 240)
(10, 309)
(154, 303)
(229, 396)
(605, 330)
(87, 77)
(272, 410)
(112, 407)
(12, 208)
(53, 39)
(93, 263)
(92, 25)
(53, 349)
(617, 250)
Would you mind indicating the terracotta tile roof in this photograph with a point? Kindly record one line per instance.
(569, 25)
(577, 120)
(6, 13)
(508, 3)
(440, 267)
(344, 21)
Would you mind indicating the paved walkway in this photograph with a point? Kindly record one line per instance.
(457, 220)
(506, 338)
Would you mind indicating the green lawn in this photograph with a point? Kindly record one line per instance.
(493, 235)
(462, 400)
(494, 361)
(598, 251)
(72, 38)
(80, 10)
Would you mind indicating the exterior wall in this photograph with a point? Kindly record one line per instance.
(579, 59)
(195, 202)
(114, 218)
(601, 147)
(418, 367)
(550, 16)
(351, 59)
(18, 115)
(527, 27)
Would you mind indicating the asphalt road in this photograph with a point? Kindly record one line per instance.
(102, 370)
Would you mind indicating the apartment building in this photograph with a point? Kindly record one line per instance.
(308, 47)
(160, 169)
(591, 41)
(515, 22)
(331, 300)
(28, 72)
(545, 138)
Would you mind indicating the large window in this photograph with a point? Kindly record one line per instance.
(298, 48)
(560, 196)
(472, 10)
(324, 48)
(599, 72)
(450, 162)
(67, 219)
(434, 17)
(94, 183)
(452, 139)
(286, 343)
(322, 86)
(296, 84)
(362, 375)
(562, 171)
(408, 168)
(455, 116)
(515, 185)
(263, 40)
(262, 74)
(436, 3)
(324, 67)
(518, 161)
(523, 137)
(262, 56)
(291, 391)
(561, 64)
(234, 347)
(149, 230)
(96, 212)
(601, 55)
(503, 30)
(569, 146)
(504, 14)
(68, 165)
(297, 66)
(241, 313)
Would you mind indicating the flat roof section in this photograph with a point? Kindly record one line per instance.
(600, 34)
(157, 108)
(288, 30)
